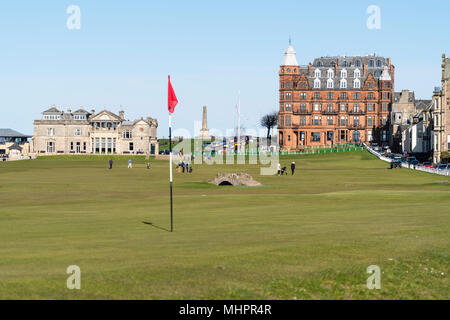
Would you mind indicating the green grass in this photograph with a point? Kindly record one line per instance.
(311, 236)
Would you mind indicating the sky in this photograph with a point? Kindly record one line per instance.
(122, 53)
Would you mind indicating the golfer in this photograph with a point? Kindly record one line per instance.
(293, 167)
(130, 165)
(110, 164)
(279, 168)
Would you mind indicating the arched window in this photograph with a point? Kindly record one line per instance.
(319, 64)
(317, 73)
(378, 63)
(330, 84)
(317, 84)
(343, 84)
(333, 64)
(345, 64)
(330, 73)
(357, 74)
(357, 84)
(371, 63)
(343, 73)
(358, 63)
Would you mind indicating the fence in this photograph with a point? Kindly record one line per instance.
(408, 166)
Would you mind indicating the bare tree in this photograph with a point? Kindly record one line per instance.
(269, 121)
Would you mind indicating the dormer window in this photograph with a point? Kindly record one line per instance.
(330, 73)
(378, 63)
(319, 64)
(345, 64)
(343, 73)
(79, 117)
(317, 73)
(330, 84)
(358, 63)
(317, 84)
(371, 63)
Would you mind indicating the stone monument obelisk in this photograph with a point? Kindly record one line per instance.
(204, 132)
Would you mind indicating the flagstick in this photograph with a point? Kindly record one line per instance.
(170, 164)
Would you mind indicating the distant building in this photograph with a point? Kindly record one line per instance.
(441, 113)
(403, 110)
(334, 100)
(13, 145)
(83, 132)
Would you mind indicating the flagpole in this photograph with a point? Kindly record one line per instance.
(170, 165)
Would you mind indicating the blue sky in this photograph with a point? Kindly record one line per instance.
(212, 49)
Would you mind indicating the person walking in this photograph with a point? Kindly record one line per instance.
(187, 167)
(130, 164)
(110, 164)
(279, 168)
(293, 167)
(183, 166)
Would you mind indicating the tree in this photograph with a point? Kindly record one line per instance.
(269, 121)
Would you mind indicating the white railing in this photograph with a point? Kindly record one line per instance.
(412, 167)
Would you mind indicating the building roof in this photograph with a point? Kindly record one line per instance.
(9, 133)
(290, 58)
(423, 104)
(81, 111)
(15, 146)
(399, 97)
(446, 67)
(53, 109)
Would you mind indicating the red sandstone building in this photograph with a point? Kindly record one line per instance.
(334, 100)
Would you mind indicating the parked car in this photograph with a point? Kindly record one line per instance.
(443, 166)
(391, 156)
(428, 165)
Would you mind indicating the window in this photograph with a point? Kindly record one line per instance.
(356, 136)
(330, 135)
(317, 107)
(329, 108)
(369, 136)
(343, 95)
(50, 147)
(317, 73)
(343, 73)
(370, 96)
(343, 122)
(330, 84)
(330, 121)
(288, 95)
(317, 84)
(103, 145)
(78, 149)
(356, 107)
(303, 108)
(131, 146)
(303, 121)
(343, 135)
(71, 146)
(357, 84)
(358, 63)
(343, 84)
(356, 95)
(330, 95)
(369, 121)
(79, 117)
(343, 109)
(287, 121)
(319, 63)
(303, 96)
(316, 96)
(356, 121)
(315, 136)
(378, 63)
(50, 132)
(316, 121)
(77, 132)
(357, 74)
(330, 73)
(370, 107)
(127, 134)
(371, 63)
(288, 107)
(384, 107)
(345, 64)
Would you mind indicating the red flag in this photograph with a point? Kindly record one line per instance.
(172, 98)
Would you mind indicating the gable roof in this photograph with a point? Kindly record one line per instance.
(81, 111)
(103, 113)
(52, 110)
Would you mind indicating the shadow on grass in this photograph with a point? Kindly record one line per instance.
(155, 226)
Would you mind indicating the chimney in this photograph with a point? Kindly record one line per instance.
(68, 110)
(309, 68)
(364, 69)
(93, 111)
(122, 114)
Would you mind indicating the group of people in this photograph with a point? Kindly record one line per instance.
(184, 167)
(281, 171)
(130, 164)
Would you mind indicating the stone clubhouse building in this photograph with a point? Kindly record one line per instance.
(334, 100)
(83, 132)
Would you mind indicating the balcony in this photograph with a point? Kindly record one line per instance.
(357, 127)
(356, 112)
(301, 112)
(330, 112)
